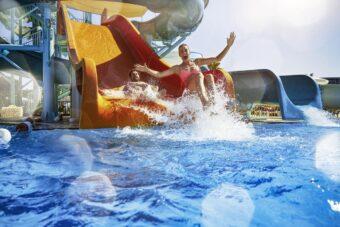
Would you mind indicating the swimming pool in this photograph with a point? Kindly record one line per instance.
(257, 175)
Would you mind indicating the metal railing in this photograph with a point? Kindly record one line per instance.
(162, 48)
(27, 10)
(32, 37)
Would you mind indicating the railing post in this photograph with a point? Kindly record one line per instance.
(75, 97)
(20, 31)
(12, 85)
(12, 24)
(19, 92)
(87, 17)
(49, 112)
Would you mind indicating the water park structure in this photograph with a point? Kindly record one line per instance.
(75, 48)
(103, 119)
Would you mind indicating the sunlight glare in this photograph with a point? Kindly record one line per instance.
(301, 12)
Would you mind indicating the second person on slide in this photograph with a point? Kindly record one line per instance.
(190, 73)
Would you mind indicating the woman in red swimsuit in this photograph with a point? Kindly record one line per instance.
(190, 73)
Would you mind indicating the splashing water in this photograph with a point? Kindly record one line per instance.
(135, 132)
(189, 121)
(335, 206)
(318, 117)
(214, 123)
(327, 155)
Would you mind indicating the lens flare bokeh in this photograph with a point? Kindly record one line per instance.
(20, 94)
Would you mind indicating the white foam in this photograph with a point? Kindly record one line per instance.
(327, 155)
(318, 117)
(227, 205)
(335, 206)
(188, 121)
(151, 95)
(216, 122)
(5, 136)
(134, 131)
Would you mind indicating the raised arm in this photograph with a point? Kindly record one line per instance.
(145, 69)
(218, 58)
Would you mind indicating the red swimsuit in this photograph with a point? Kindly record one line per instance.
(186, 74)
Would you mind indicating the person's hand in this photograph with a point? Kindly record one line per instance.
(231, 39)
(140, 68)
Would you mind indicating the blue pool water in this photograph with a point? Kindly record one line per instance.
(259, 175)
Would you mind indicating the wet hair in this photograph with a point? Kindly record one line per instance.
(130, 75)
(182, 45)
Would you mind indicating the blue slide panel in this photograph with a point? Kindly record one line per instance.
(302, 90)
(262, 85)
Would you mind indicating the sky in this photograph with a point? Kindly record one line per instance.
(285, 36)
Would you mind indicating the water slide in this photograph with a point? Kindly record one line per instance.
(174, 20)
(331, 93)
(263, 86)
(103, 56)
(31, 62)
(295, 84)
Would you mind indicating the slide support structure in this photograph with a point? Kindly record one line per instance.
(48, 113)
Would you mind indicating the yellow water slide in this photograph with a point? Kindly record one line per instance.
(103, 57)
(111, 7)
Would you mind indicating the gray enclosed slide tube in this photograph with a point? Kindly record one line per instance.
(175, 17)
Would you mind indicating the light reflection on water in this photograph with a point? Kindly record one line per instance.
(227, 204)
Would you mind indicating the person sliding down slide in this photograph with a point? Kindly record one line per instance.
(190, 73)
(139, 88)
(135, 88)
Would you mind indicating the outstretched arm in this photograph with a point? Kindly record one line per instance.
(145, 69)
(218, 58)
